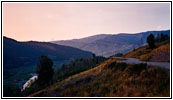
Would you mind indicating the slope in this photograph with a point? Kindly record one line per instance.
(160, 54)
(110, 44)
(112, 79)
(17, 54)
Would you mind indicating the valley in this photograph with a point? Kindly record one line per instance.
(20, 59)
(77, 68)
(86, 49)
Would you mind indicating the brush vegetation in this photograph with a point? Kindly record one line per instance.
(112, 79)
(67, 70)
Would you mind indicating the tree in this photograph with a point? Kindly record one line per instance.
(118, 55)
(166, 36)
(134, 49)
(64, 67)
(93, 55)
(45, 71)
(150, 41)
(158, 38)
(161, 37)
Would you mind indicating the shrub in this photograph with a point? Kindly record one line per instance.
(136, 68)
(144, 74)
(112, 64)
(120, 66)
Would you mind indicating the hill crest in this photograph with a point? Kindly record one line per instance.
(110, 44)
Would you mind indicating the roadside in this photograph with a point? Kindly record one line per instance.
(166, 65)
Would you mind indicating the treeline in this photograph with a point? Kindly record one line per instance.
(159, 38)
(76, 66)
(73, 67)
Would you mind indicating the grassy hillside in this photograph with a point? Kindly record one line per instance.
(112, 79)
(160, 54)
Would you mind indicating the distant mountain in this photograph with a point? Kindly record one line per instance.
(78, 43)
(17, 54)
(109, 44)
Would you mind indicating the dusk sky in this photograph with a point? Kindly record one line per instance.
(62, 21)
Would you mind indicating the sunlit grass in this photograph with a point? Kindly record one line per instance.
(113, 79)
(145, 54)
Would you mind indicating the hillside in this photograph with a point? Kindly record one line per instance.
(112, 79)
(20, 59)
(160, 54)
(110, 44)
(17, 54)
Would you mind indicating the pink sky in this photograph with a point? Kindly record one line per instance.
(62, 21)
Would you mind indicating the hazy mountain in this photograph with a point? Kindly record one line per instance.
(17, 54)
(109, 44)
(78, 43)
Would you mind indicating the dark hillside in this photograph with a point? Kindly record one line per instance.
(17, 54)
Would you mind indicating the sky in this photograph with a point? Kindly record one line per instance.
(63, 21)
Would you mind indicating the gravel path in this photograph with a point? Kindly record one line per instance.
(161, 64)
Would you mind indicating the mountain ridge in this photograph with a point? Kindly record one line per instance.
(109, 44)
(23, 53)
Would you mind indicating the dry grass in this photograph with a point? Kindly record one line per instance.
(159, 54)
(113, 79)
(138, 52)
(118, 58)
(72, 79)
(145, 57)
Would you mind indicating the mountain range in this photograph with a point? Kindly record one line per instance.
(110, 44)
(17, 53)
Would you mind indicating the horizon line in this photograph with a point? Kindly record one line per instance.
(85, 36)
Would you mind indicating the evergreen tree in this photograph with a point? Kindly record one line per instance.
(45, 71)
(166, 37)
(161, 37)
(158, 38)
(150, 41)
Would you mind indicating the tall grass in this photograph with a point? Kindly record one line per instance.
(113, 79)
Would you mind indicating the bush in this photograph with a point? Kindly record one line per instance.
(144, 74)
(112, 64)
(120, 66)
(136, 68)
